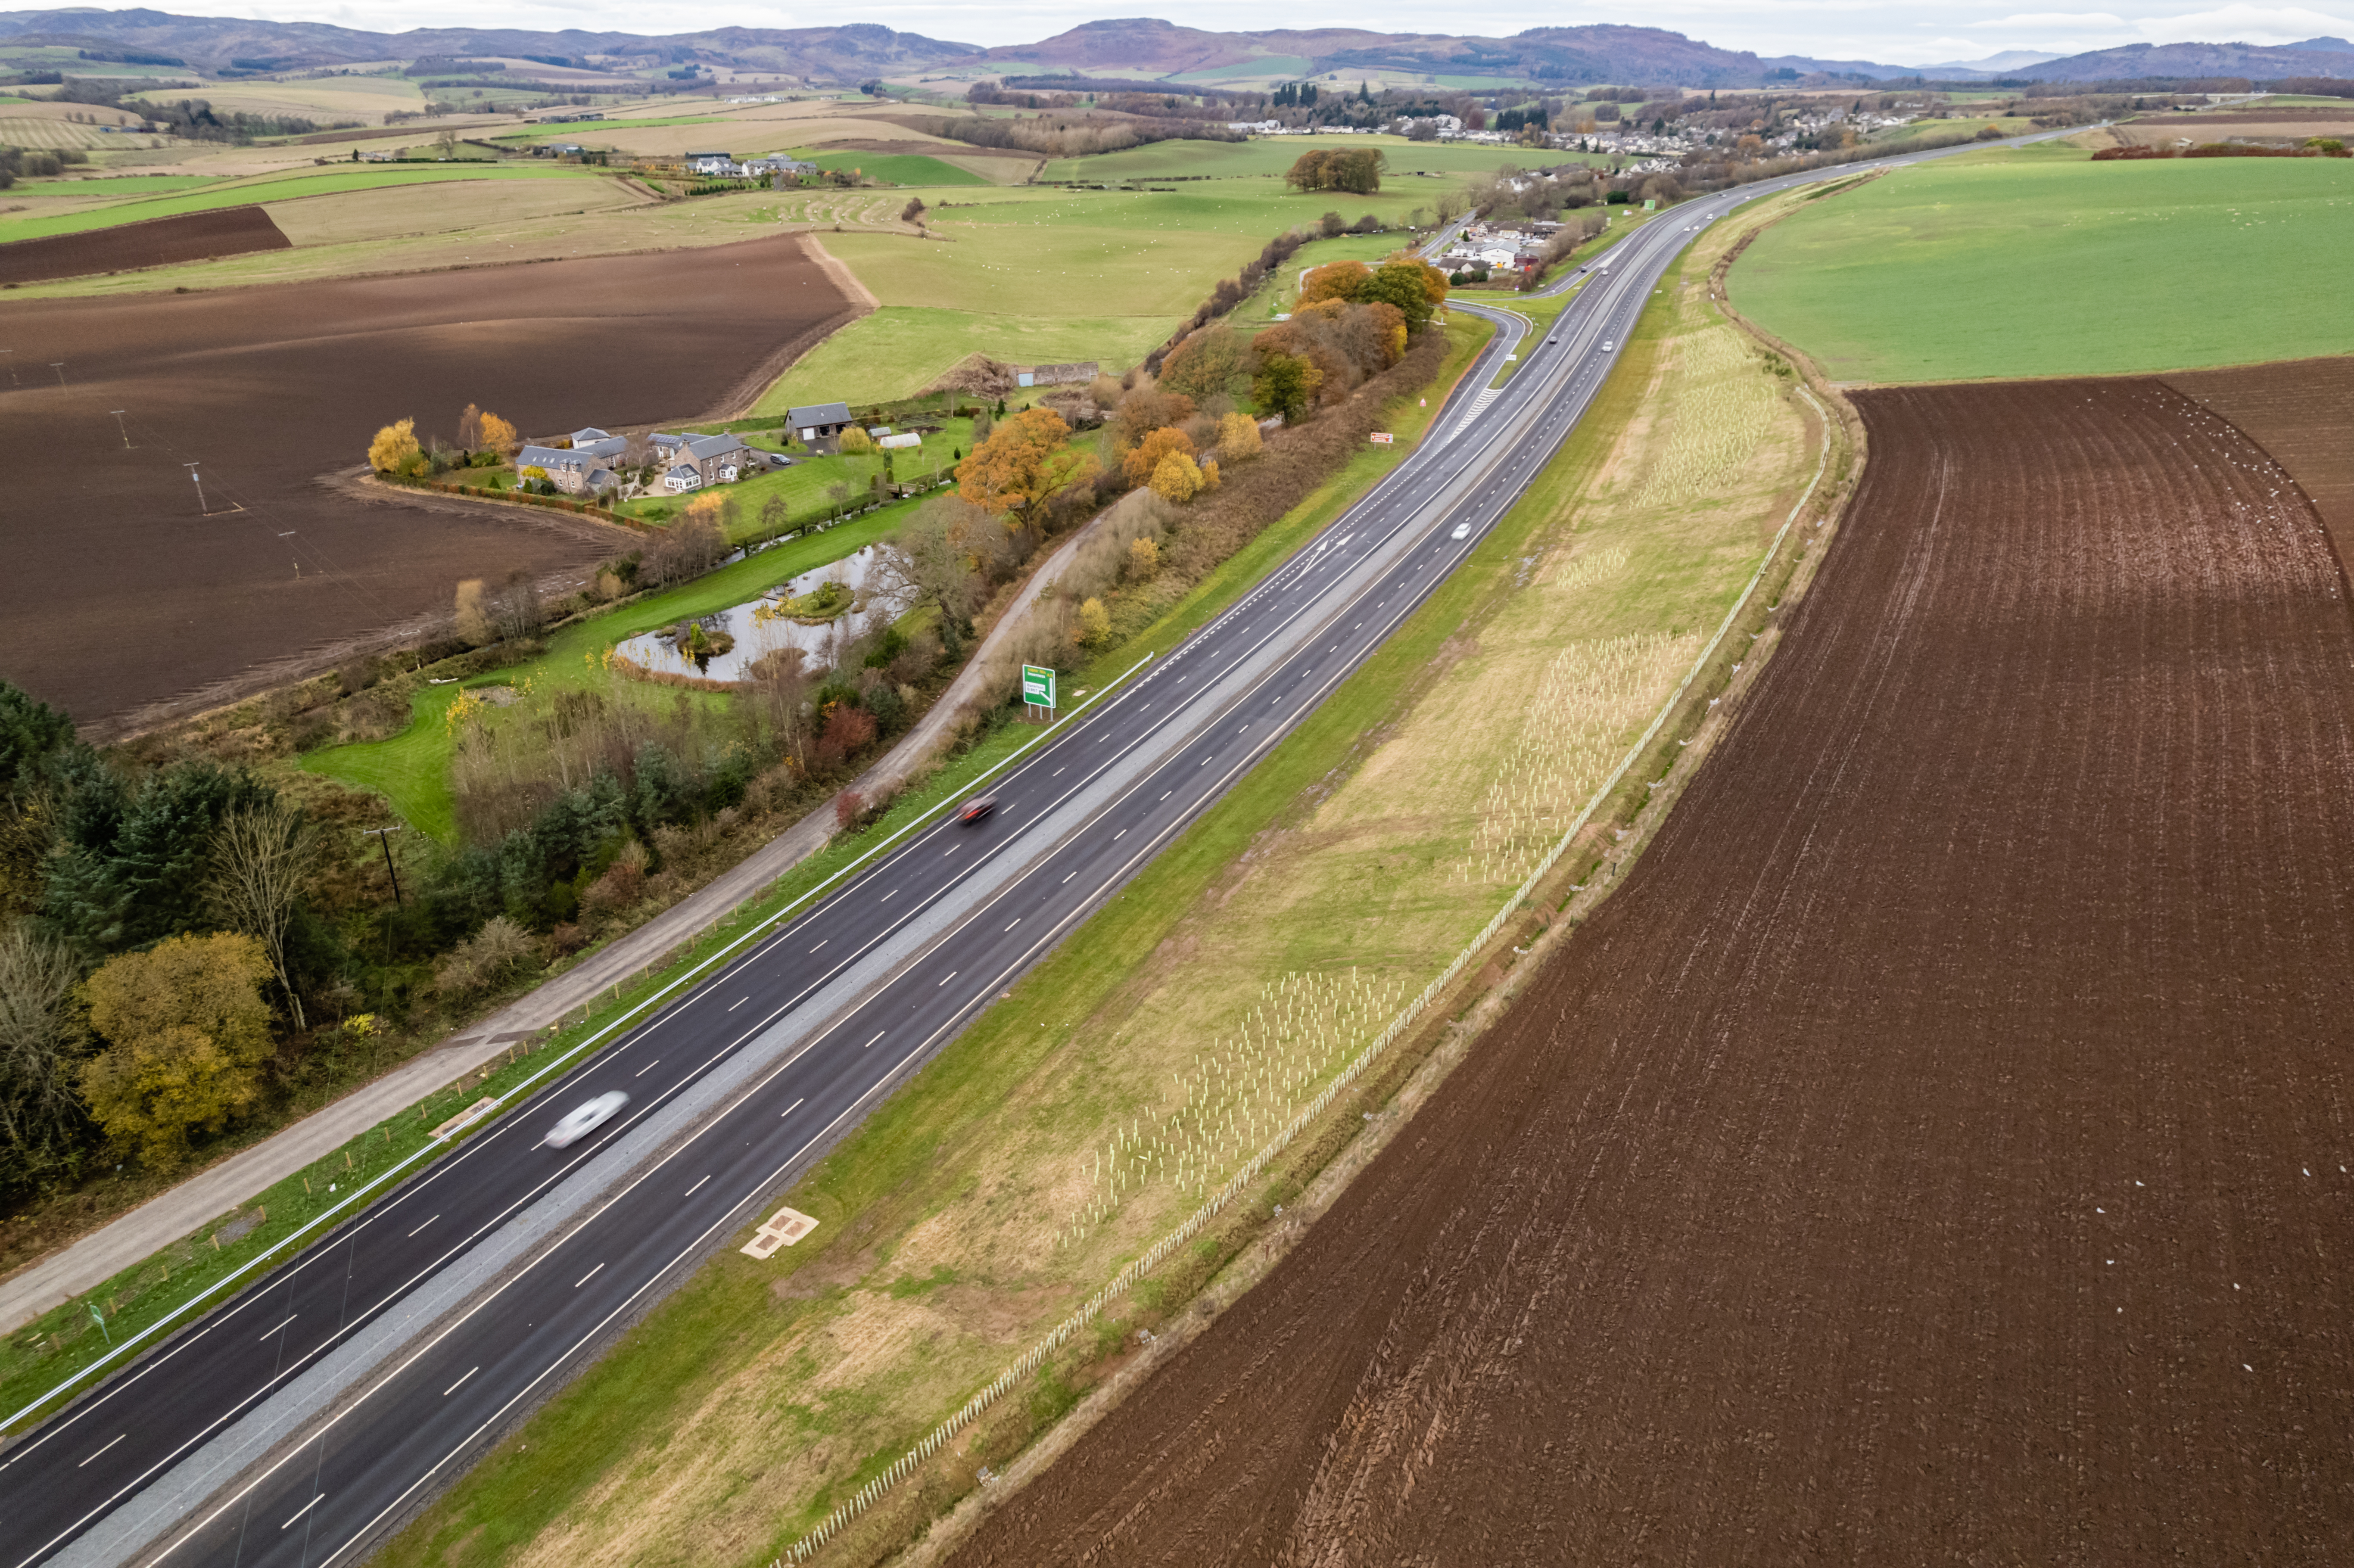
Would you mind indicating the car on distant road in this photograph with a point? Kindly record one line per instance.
(1609, 347)
(977, 808)
(1463, 531)
(585, 1120)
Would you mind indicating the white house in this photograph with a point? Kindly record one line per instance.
(682, 478)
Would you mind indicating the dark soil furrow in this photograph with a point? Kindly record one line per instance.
(1936, 1152)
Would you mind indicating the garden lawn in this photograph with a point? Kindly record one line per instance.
(971, 1211)
(2009, 266)
(412, 770)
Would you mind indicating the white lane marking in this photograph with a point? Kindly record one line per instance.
(299, 1512)
(879, 1034)
(738, 1002)
(101, 1451)
(1067, 875)
(1166, 793)
(691, 1192)
(655, 1062)
(265, 1339)
(1017, 920)
(945, 978)
(1204, 763)
(1059, 771)
(413, 1234)
(822, 941)
(797, 1104)
(1120, 836)
(459, 1384)
(888, 896)
(587, 1277)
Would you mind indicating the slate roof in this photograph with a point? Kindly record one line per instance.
(818, 414)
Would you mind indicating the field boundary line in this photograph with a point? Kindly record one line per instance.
(1406, 1017)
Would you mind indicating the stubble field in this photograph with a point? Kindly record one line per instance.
(1936, 1152)
(122, 597)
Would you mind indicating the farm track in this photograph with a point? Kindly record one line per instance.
(124, 601)
(1936, 1152)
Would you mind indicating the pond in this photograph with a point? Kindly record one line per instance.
(878, 597)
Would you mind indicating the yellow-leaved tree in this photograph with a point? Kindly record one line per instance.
(188, 1032)
(1238, 437)
(498, 436)
(1177, 478)
(1142, 460)
(1095, 621)
(395, 449)
(856, 442)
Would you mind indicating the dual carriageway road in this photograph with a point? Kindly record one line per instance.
(301, 1421)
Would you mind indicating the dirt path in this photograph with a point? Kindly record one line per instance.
(1937, 1153)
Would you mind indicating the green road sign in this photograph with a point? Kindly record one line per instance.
(1037, 686)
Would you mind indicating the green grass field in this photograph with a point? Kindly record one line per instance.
(896, 168)
(1272, 156)
(2041, 264)
(1034, 276)
(121, 186)
(281, 187)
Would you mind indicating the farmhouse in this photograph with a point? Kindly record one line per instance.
(1074, 372)
(711, 162)
(681, 477)
(569, 471)
(715, 459)
(780, 164)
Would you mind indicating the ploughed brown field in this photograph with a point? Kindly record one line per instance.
(1938, 1150)
(158, 242)
(119, 601)
(2302, 414)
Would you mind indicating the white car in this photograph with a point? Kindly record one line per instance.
(1609, 348)
(581, 1123)
(1463, 531)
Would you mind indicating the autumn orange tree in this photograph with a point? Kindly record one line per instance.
(1336, 280)
(1025, 462)
(497, 435)
(1142, 460)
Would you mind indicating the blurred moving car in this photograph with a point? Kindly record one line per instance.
(977, 808)
(587, 1119)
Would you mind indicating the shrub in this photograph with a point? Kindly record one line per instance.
(1095, 620)
(487, 957)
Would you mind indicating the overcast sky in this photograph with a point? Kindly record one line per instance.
(1832, 29)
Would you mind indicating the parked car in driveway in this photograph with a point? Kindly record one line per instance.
(580, 1123)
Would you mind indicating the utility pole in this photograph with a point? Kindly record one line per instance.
(200, 488)
(10, 355)
(59, 366)
(382, 836)
(123, 428)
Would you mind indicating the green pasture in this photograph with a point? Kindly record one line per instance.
(1034, 275)
(412, 770)
(120, 185)
(898, 350)
(1272, 156)
(894, 168)
(582, 130)
(2024, 265)
(805, 485)
(277, 187)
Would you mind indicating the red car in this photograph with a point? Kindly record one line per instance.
(979, 805)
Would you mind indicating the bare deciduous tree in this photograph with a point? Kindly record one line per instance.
(41, 1047)
(262, 857)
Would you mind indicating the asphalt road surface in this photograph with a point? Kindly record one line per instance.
(741, 1083)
